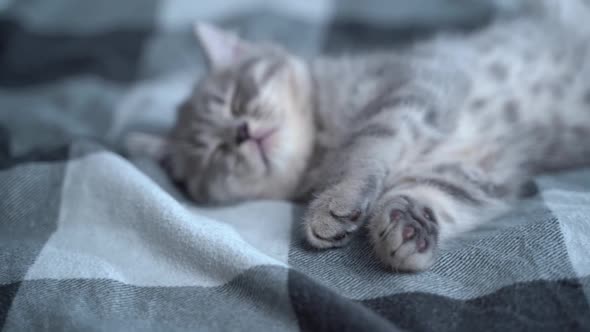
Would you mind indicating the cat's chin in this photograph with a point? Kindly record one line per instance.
(232, 192)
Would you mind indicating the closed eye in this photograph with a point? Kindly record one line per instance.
(216, 99)
(236, 109)
(238, 103)
(195, 142)
(219, 151)
(259, 113)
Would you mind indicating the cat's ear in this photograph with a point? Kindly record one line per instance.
(222, 48)
(138, 144)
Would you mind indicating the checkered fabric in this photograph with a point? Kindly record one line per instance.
(93, 241)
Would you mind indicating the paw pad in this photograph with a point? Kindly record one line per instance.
(395, 215)
(421, 245)
(408, 232)
(405, 237)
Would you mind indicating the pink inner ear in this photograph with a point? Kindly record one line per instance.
(222, 48)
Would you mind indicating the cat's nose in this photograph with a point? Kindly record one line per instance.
(242, 134)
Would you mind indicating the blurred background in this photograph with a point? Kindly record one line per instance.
(108, 249)
(80, 69)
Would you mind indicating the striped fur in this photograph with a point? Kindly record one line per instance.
(419, 144)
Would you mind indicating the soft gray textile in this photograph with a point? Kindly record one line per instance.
(91, 240)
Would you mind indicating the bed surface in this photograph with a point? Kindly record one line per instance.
(93, 241)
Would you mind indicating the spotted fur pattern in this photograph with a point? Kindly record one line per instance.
(419, 144)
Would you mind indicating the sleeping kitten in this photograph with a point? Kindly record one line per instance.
(419, 144)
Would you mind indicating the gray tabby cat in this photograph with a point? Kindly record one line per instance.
(419, 144)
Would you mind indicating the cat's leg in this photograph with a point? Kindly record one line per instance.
(343, 207)
(357, 176)
(427, 206)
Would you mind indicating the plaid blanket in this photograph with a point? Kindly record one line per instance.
(93, 241)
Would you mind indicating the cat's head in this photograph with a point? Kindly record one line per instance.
(246, 130)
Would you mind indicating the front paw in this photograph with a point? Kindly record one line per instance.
(337, 213)
(405, 234)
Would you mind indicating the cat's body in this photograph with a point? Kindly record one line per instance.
(456, 124)
(421, 144)
(499, 83)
